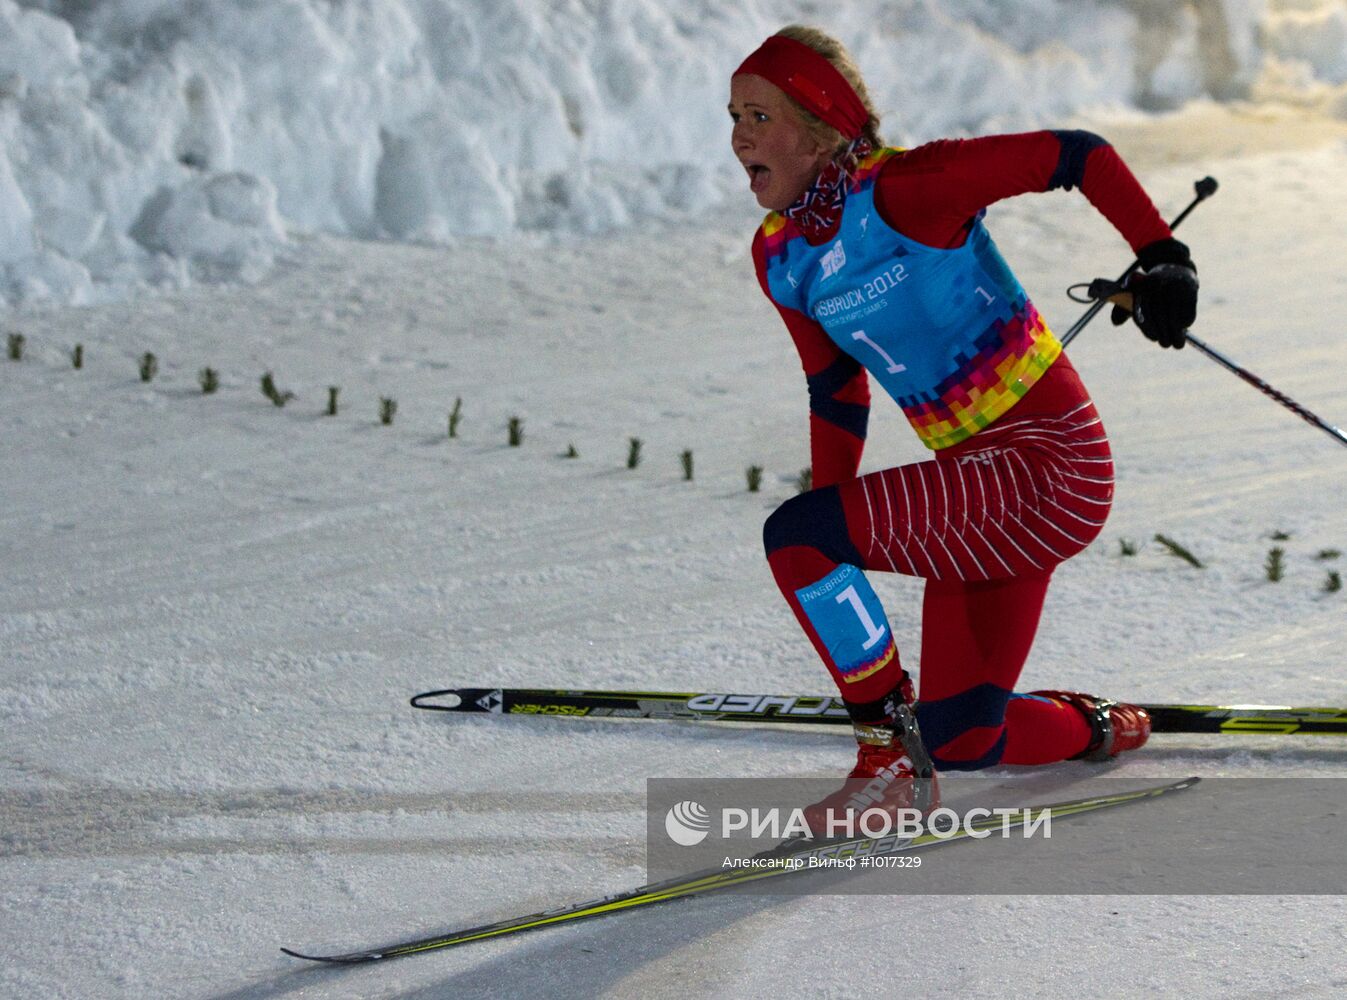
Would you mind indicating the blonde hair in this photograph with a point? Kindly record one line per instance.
(836, 53)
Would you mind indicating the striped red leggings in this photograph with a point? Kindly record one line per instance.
(984, 523)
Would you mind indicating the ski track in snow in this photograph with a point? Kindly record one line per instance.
(212, 612)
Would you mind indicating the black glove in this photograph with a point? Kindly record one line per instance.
(1164, 293)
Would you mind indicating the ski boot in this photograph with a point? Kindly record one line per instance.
(1116, 726)
(893, 772)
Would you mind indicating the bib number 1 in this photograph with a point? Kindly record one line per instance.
(849, 620)
(894, 367)
(873, 632)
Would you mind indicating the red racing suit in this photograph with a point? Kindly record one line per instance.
(1022, 476)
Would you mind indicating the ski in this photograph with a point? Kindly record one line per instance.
(826, 710)
(788, 857)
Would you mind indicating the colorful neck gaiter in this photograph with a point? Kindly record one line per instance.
(820, 207)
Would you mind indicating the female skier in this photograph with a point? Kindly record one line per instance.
(877, 260)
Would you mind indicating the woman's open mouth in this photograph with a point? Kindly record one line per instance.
(758, 177)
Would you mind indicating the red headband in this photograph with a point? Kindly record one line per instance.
(811, 80)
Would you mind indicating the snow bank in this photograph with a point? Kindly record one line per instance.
(1314, 34)
(153, 142)
(1306, 61)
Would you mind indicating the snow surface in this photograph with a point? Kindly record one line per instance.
(212, 611)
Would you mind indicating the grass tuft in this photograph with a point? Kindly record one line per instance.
(1178, 550)
(274, 394)
(1275, 564)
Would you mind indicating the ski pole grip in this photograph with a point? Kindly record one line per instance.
(1204, 189)
(1108, 290)
(1104, 288)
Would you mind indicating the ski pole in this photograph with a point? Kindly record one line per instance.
(1204, 189)
(1268, 390)
(1102, 291)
